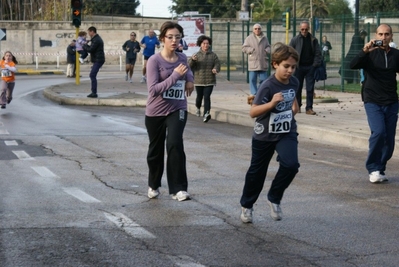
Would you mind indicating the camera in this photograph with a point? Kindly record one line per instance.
(377, 43)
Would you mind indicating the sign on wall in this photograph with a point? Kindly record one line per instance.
(3, 34)
(193, 28)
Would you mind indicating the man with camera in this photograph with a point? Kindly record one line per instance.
(380, 64)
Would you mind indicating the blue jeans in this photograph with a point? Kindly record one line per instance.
(262, 153)
(305, 73)
(382, 122)
(93, 75)
(253, 77)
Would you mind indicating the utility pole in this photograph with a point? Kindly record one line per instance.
(244, 5)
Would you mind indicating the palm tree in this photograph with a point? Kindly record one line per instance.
(319, 8)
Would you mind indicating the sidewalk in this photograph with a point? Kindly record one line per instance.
(341, 123)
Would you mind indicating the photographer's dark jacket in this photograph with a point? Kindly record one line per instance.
(96, 49)
(297, 43)
(380, 68)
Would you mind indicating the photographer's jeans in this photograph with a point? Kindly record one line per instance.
(382, 122)
(253, 78)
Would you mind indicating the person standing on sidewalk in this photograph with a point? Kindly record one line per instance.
(325, 49)
(71, 59)
(97, 57)
(170, 82)
(205, 64)
(148, 43)
(131, 47)
(380, 64)
(256, 46)
(309, 52)
(274, 108)
(8, 69)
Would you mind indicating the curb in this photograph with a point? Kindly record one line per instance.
(73, 101)
(41, 72)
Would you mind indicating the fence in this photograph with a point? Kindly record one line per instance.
(344, 36)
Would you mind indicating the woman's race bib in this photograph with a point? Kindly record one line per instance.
(176, 92)
(280, 122)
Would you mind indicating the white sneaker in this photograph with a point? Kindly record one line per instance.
(81, 60)
(198, 112)
(376, 177)
(181, 196)
(153, 193)
(130, 81)
(384, 178)
(246, 215)
(126, 77)
(143, 79)
(275, 211)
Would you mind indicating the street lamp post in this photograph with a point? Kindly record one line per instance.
(252, 5)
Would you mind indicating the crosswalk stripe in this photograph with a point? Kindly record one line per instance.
(11, 143)
(129, 226)
(82, 196)
(2, 131)
(21, 154)
(44, 172)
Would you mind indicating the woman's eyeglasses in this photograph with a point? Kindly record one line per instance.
(171, 37)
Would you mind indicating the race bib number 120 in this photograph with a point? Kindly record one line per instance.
(176, 92)
(280, 122)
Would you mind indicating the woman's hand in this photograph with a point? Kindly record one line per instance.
(214, 71)
(181, 69)
(189, 88)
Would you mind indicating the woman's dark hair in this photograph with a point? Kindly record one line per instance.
(203, 38)
(282, 52)
(13, 58)
(167, 26)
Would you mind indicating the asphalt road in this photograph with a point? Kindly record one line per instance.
(73, 193)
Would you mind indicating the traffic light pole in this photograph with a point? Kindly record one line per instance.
(287, 28)
(77, 62)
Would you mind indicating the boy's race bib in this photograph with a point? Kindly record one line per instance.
(280, 122)
(176, 92)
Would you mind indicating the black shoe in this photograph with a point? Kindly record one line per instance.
(3, 106)
(207, 117)
(9, 100)
(92, 95)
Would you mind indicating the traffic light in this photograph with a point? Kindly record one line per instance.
(286, 20)
(76, 8)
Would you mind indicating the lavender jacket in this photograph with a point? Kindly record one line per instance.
(160, 77)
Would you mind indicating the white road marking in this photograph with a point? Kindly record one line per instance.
(44, 172)
(22, 155)
(331, 163)
(184, 261)
(4, 131)
(82, 196)
(127, 225)
(11, 143)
